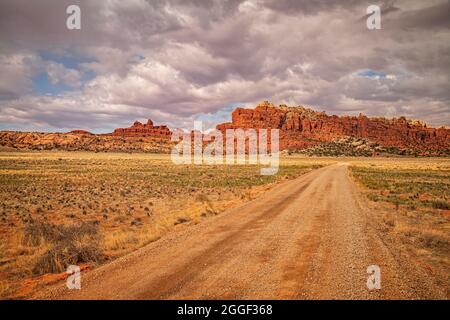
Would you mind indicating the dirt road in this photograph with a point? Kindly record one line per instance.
(309, 238)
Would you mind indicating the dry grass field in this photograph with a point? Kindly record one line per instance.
(62, 208)
(410, 199)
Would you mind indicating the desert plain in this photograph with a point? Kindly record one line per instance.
(99, 210)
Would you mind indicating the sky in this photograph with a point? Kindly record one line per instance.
(177, 61)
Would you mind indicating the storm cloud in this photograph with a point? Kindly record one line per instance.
(178, 60)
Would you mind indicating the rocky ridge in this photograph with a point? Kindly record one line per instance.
(301, 130)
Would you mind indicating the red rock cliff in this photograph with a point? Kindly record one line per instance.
(301, 127)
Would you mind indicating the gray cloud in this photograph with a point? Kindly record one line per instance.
(174, 60)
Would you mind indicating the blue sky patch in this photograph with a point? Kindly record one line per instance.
(41, 82)
(68, 60)
(42, 85)
(368, 73)
(223, 115)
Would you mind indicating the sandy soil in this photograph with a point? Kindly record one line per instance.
(309, 238)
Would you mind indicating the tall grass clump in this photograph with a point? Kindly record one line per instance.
(68, 245)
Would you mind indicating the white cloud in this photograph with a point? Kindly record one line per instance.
(58, 74)
(16, 72)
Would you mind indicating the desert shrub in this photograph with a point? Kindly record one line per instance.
(69, 245)
(202, 198)
(181, 220)
(36, 233)
(61, 255)
(436, 241)
(5, 289)
(440, 204)
(389, 220)
(373, 197)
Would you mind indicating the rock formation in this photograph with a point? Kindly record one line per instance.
(148, 129)
(137, 138)
(301, 128)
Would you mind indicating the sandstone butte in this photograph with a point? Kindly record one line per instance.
(139, 129)
(300, 128)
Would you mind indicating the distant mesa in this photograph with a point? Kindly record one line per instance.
(80, 132)
(140, 129)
